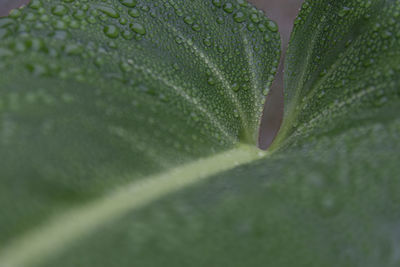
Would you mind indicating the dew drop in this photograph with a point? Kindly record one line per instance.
(91, 19)
(196, 27)
(211, 81)
(15, 13)
(59, 10)
(30, 17)
(111, 31)
(188, 20)
(60, 25)
(345, 10)
(73, 49)
(254, 18)
(235, 87)
(44, 18)
(262, 27)
(272, 26)
(207, 41)
(35, 4)
(129, 3)
(127, 35)
(239, 17)
(228, 7)
(79, 14)
(138, 28)
(134, 13)
(217, 3)
(109, 11)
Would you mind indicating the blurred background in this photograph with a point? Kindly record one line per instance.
(6, 5)
(281, 11)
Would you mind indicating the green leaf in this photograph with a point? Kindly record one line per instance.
(342, 66)
(327, 194)
(97, 97)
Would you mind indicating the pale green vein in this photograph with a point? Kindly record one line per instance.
(254, 77)
(60, 232)
(331, 71)
(193, 101)
(139, 143)
(292, 110)
(299, 83)
(332, 111)
(217, 72)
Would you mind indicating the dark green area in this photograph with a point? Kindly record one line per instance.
(96, 94)
(331, 202)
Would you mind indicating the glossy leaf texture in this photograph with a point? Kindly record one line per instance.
(97, 95)
(327, 194)
(342, 65)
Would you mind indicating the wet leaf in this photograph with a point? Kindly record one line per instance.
(122, 176)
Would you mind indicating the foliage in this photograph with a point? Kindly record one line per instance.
(127, 131)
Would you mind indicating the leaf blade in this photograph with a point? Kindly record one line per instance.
(339, 67)
(96, 94)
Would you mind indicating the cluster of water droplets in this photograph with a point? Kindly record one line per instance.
(352, 65)
(223, 78)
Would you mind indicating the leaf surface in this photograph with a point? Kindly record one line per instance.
(100, 96)
(327, 195)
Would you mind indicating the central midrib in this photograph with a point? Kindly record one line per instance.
(58, 233)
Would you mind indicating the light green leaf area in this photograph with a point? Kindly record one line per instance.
(326, 195)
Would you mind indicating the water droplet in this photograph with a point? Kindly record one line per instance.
(272, 26)
(15, 13)
(60, 25)
(228, 7)
(251, 27)
(35, 4)
(127, 35)
(239, 17)
(79, 14)
(207, 41)
(123, 21)
(129, 3)
(73, 49)
(138, 28)
(134, 13)
(30, 17)
(59, 10)
(188, 20)
(235, 87)
(254, 18)
(111, 31)
(220, 20)
(345, 10)
(196, 27)
(44, 18)
(91, 19)
(109, 11)
(262, 27)
(217, 3)
(125, 67)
